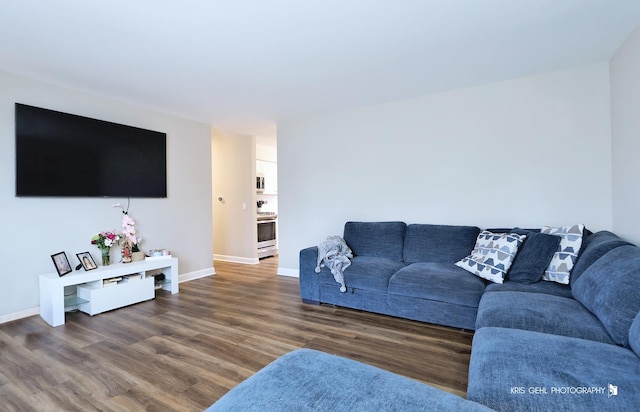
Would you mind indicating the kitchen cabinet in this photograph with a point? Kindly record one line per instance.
(270, 172)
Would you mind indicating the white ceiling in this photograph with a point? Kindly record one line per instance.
(243, 65)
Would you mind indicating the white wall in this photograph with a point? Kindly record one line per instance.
(625, 128)
(35, 228)
(234, 218)
(266, 148)
(525, 152)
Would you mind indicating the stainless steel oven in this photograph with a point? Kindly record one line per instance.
(267, 241)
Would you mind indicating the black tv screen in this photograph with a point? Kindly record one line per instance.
(61, 154)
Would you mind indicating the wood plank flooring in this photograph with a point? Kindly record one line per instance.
(182, 352)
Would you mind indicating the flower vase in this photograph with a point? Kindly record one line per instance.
(137, 256)
(106, 259)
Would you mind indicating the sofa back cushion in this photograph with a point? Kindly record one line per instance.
(439, 243)
(533, 256)
(377, 239)
(609, 289)
(634, 335)
(594, 247)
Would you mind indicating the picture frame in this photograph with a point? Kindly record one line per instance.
(86, 260)
(61, 263)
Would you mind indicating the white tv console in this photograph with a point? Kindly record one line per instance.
(93, 295)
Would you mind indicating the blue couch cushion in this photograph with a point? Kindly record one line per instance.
(520, 370)
(377, 239)
(610, 289)
(533, 256)
(595, 246)
(439, 243)
(367, 272)
(550, 288)
(443, 282)
(541, 313)
(634, 335)
(309, 380)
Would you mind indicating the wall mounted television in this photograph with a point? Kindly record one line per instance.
(66, 155)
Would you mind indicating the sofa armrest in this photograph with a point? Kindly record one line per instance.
(309, 279)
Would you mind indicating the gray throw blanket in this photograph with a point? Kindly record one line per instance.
(335, 254)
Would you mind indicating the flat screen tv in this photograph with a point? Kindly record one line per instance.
(65, 155)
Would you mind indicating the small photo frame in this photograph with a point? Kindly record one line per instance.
(62, 263)
(86, 260)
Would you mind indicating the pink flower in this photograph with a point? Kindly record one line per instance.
(127, 221)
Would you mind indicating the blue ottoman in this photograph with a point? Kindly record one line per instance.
(306, 379)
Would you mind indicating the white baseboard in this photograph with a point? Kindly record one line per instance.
(185, 277)
(19, 315)
(237, 259)
(294, 273)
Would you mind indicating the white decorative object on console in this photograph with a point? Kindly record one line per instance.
(93, 295)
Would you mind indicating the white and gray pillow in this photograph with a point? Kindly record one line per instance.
(564, 259)
(492, 255)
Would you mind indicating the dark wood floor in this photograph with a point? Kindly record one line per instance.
(182, 352)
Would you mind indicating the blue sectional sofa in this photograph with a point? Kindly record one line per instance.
(538, 345)
(401, 270)
(536, 351)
